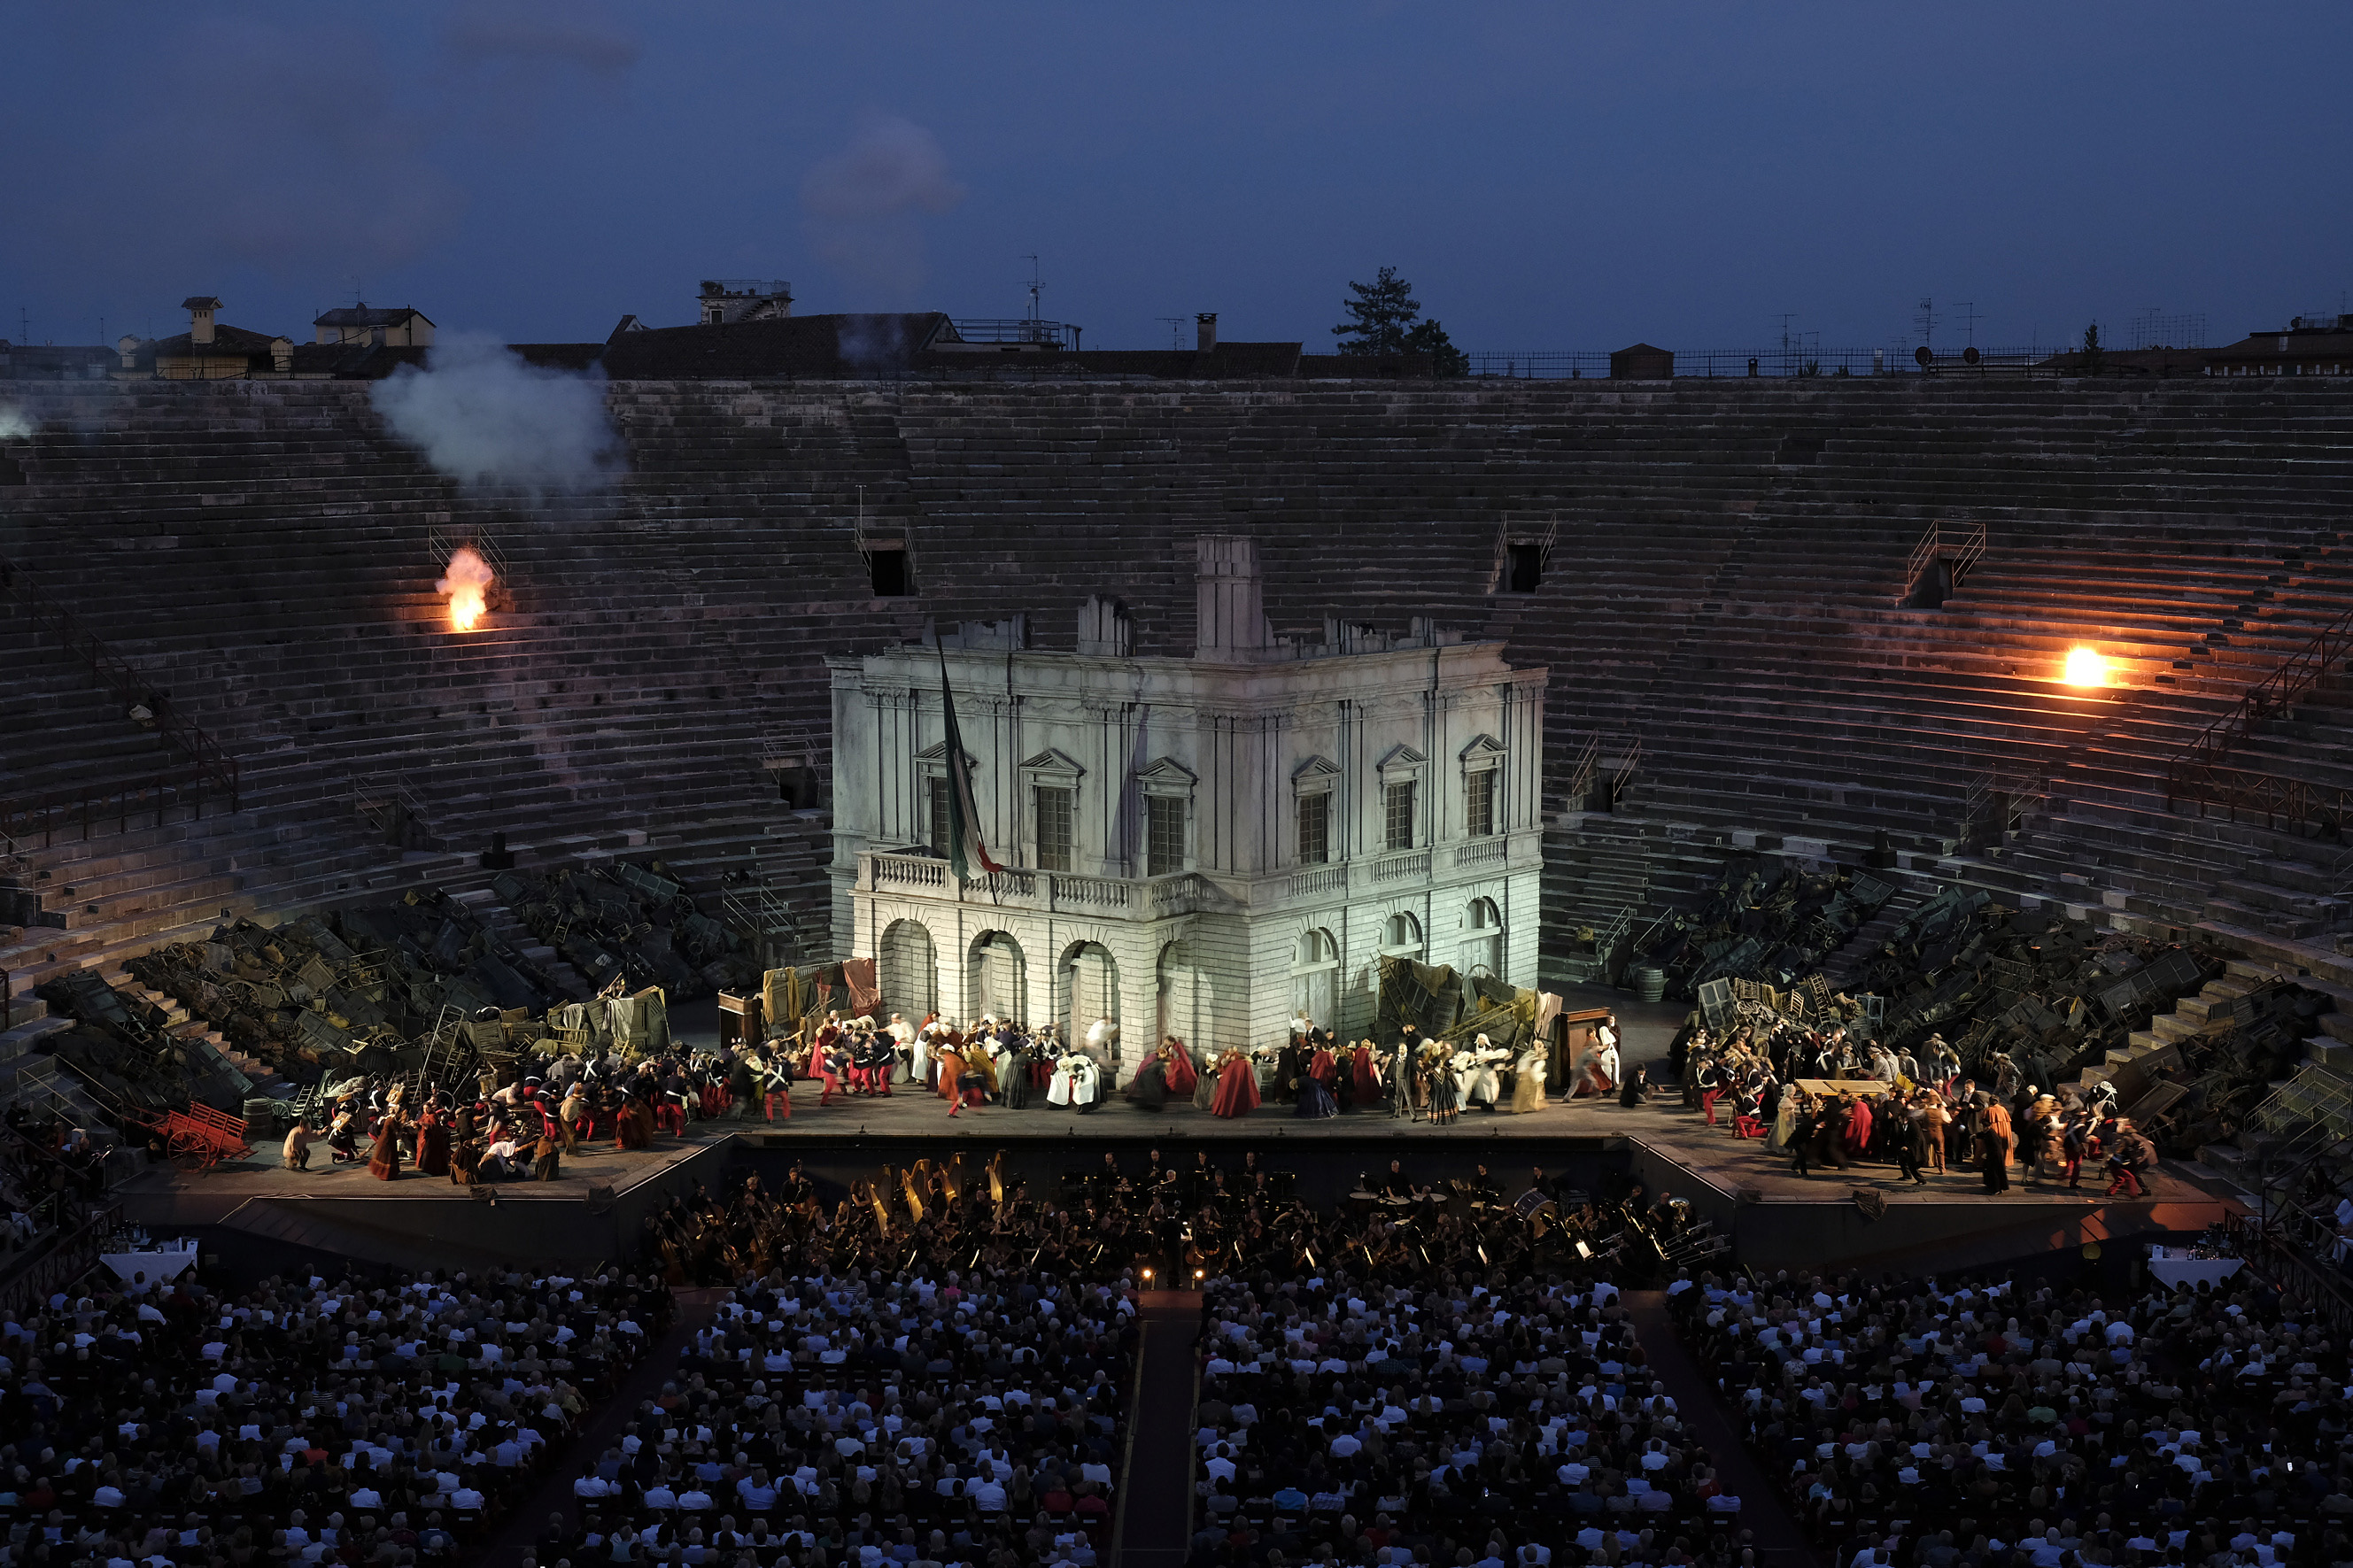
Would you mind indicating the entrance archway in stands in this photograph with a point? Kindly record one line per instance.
(910, 970)
(997, 978)
(1184, 995)
(1087, 988)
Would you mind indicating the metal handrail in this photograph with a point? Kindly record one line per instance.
(24, 817)
(1966, 540)
(2278, 691)
(109, 669)
(2296, 802)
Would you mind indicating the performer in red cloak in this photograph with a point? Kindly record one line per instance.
(1236, 1086)
(1365, 1070)
(1182, 1073)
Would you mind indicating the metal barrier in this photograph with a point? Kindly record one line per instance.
(1961, 545)
(2193, 771)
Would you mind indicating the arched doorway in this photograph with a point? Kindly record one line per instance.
(1314, 966)
(910, 969)
(1481, 954)
(1184, 995)
(996, 980)
(1089, 989)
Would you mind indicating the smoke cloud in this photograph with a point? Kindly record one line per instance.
(537, 30)
(873, 344)
(13, 426)
(483, 416)
(864, 205)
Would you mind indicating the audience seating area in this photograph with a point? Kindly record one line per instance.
(1360, 1424)
(1969, 1420)
(308, 1421)
(1725, 562)
(880, 1417)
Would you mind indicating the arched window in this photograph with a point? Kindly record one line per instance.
(1482, 949)
(1315, 965)
(1401, 936)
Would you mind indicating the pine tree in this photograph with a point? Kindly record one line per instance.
(1383, 311)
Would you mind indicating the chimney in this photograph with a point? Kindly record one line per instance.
(1104, 630)
(281, 355)
(126, 348)
(200, 309)
(1205, 331)
(1232, 612)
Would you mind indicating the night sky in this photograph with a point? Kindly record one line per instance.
(1552, 176)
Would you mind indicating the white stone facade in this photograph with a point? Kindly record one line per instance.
(1158, 818)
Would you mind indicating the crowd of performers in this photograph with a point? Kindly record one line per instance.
(1178, 1219)
(1916, 1110)
(518, 1119)
(997, 1062)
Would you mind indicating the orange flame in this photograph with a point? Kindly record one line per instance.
(2085, 667)
(466, 587)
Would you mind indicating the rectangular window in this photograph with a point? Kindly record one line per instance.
(939, 823)
(1053, 829)
(1397, 816)
(1315, 829)
(1479, 803)
(1164, 833)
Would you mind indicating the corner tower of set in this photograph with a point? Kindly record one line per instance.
(1204, 846)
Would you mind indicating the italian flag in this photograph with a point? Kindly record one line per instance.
(964, 843)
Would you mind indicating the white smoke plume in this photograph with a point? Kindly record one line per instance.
(13, 426)
(483, 416)
(864, 205)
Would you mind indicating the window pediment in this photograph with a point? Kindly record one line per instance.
(1483, 751)
(936, 755)
(1315, 777)
(1166, 775)
(1052, 765)
(1402, 760)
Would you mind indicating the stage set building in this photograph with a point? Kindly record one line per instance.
(1208, 847)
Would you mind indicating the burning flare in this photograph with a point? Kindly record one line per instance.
(2085, 667)
(466, 587)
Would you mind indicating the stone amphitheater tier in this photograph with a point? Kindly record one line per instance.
(1722, 583)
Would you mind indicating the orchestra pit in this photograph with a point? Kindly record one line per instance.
(973, 969)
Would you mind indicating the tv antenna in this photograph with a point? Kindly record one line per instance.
(1036, 283)
(1926, 320)
(1970, 307)
(1176, 330)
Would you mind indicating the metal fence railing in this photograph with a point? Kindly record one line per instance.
(1793, 361)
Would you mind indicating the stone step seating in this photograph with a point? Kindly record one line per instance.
(500, 923)
(189, 1030)
(64, 731)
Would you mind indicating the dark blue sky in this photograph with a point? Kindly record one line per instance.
(1549, 176)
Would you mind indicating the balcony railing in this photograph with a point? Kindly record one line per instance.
(1184, 892)
(1151, 897)
(1483, 851)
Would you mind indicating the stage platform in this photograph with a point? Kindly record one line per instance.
(594, 1213)
(597, 1210)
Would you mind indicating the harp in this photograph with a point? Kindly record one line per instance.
(914, 1199)
(949, 1185)
(995, 1179)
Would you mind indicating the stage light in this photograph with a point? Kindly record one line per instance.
(1147, 1273)
(1200, 1274)
(2085, 667)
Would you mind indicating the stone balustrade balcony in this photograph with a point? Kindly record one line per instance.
(886, 873)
